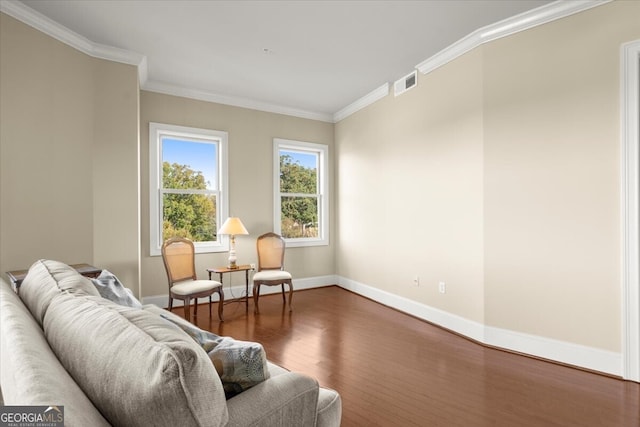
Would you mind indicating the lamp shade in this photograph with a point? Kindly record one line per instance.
(233, 226)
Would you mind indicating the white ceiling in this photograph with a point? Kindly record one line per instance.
(312, 56)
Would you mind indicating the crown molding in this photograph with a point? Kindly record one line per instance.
(366, 100)
(524, 21)
(41, 23)
(143, 70)
(61, 33)
(201, 95)
(521, 22)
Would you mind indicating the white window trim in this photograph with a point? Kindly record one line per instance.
(156, 131)
(323, 191)
(630, 207)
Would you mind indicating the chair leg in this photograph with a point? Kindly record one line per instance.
(195, 307)
(187, 303)
(290, 294)
(210, 298)
(256, 295)
(283, 298)
(220, 303)
(170, 303)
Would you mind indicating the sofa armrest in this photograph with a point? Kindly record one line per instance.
(289, 399)
(329, 408)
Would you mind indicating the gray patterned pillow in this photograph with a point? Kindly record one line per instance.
(112, 289)
(240, 364)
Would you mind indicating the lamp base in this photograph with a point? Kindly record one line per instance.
(232, 254)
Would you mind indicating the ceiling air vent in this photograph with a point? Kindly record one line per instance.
(407, 82)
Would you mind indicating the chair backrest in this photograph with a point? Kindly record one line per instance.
(270, 252)
(179, 260)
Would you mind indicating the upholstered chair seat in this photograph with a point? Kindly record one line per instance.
(194, 286)
(271, 275)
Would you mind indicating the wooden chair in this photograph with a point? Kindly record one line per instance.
(271, 267)
(178, 255)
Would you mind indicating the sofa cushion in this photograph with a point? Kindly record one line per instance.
(136, 369)
(240, 364)
(290, 399)
(47, 279)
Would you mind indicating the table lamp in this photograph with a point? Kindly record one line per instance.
(232, 227)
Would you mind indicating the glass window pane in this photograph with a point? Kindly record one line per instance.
(189, 215)
(299, 217)
(298, 172)
(189, 164)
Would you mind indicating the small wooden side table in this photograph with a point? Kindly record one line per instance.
(222, 270)
(17, 276)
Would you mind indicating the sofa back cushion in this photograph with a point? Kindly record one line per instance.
(47, 279)
(136, 369)
(30, 372)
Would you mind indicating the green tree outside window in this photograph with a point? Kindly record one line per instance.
(299, 201)
(187, 214)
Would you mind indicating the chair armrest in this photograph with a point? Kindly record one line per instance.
(287, 399)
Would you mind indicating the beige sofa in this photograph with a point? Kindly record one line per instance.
(63, 344)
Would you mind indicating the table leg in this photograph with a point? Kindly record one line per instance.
(246, 290)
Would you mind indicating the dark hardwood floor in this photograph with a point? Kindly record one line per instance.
(395, 370)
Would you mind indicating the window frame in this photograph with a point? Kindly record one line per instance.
(156, 132)
(322, 191)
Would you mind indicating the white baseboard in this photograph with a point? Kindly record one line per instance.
(238, 291)
(450, 321)
(560, 351)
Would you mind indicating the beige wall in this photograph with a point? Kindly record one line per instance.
(69, 131)
(410, 191)
(552, 186)
(503, 166)
(251, 136)
(116, 173)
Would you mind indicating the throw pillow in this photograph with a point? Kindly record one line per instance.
(240, 364)
(112, 289)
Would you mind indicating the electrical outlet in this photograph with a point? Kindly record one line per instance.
(253, 266)
(416, 281)
(442, 287)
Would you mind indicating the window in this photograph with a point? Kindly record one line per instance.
(301, 202)
(188, 186)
